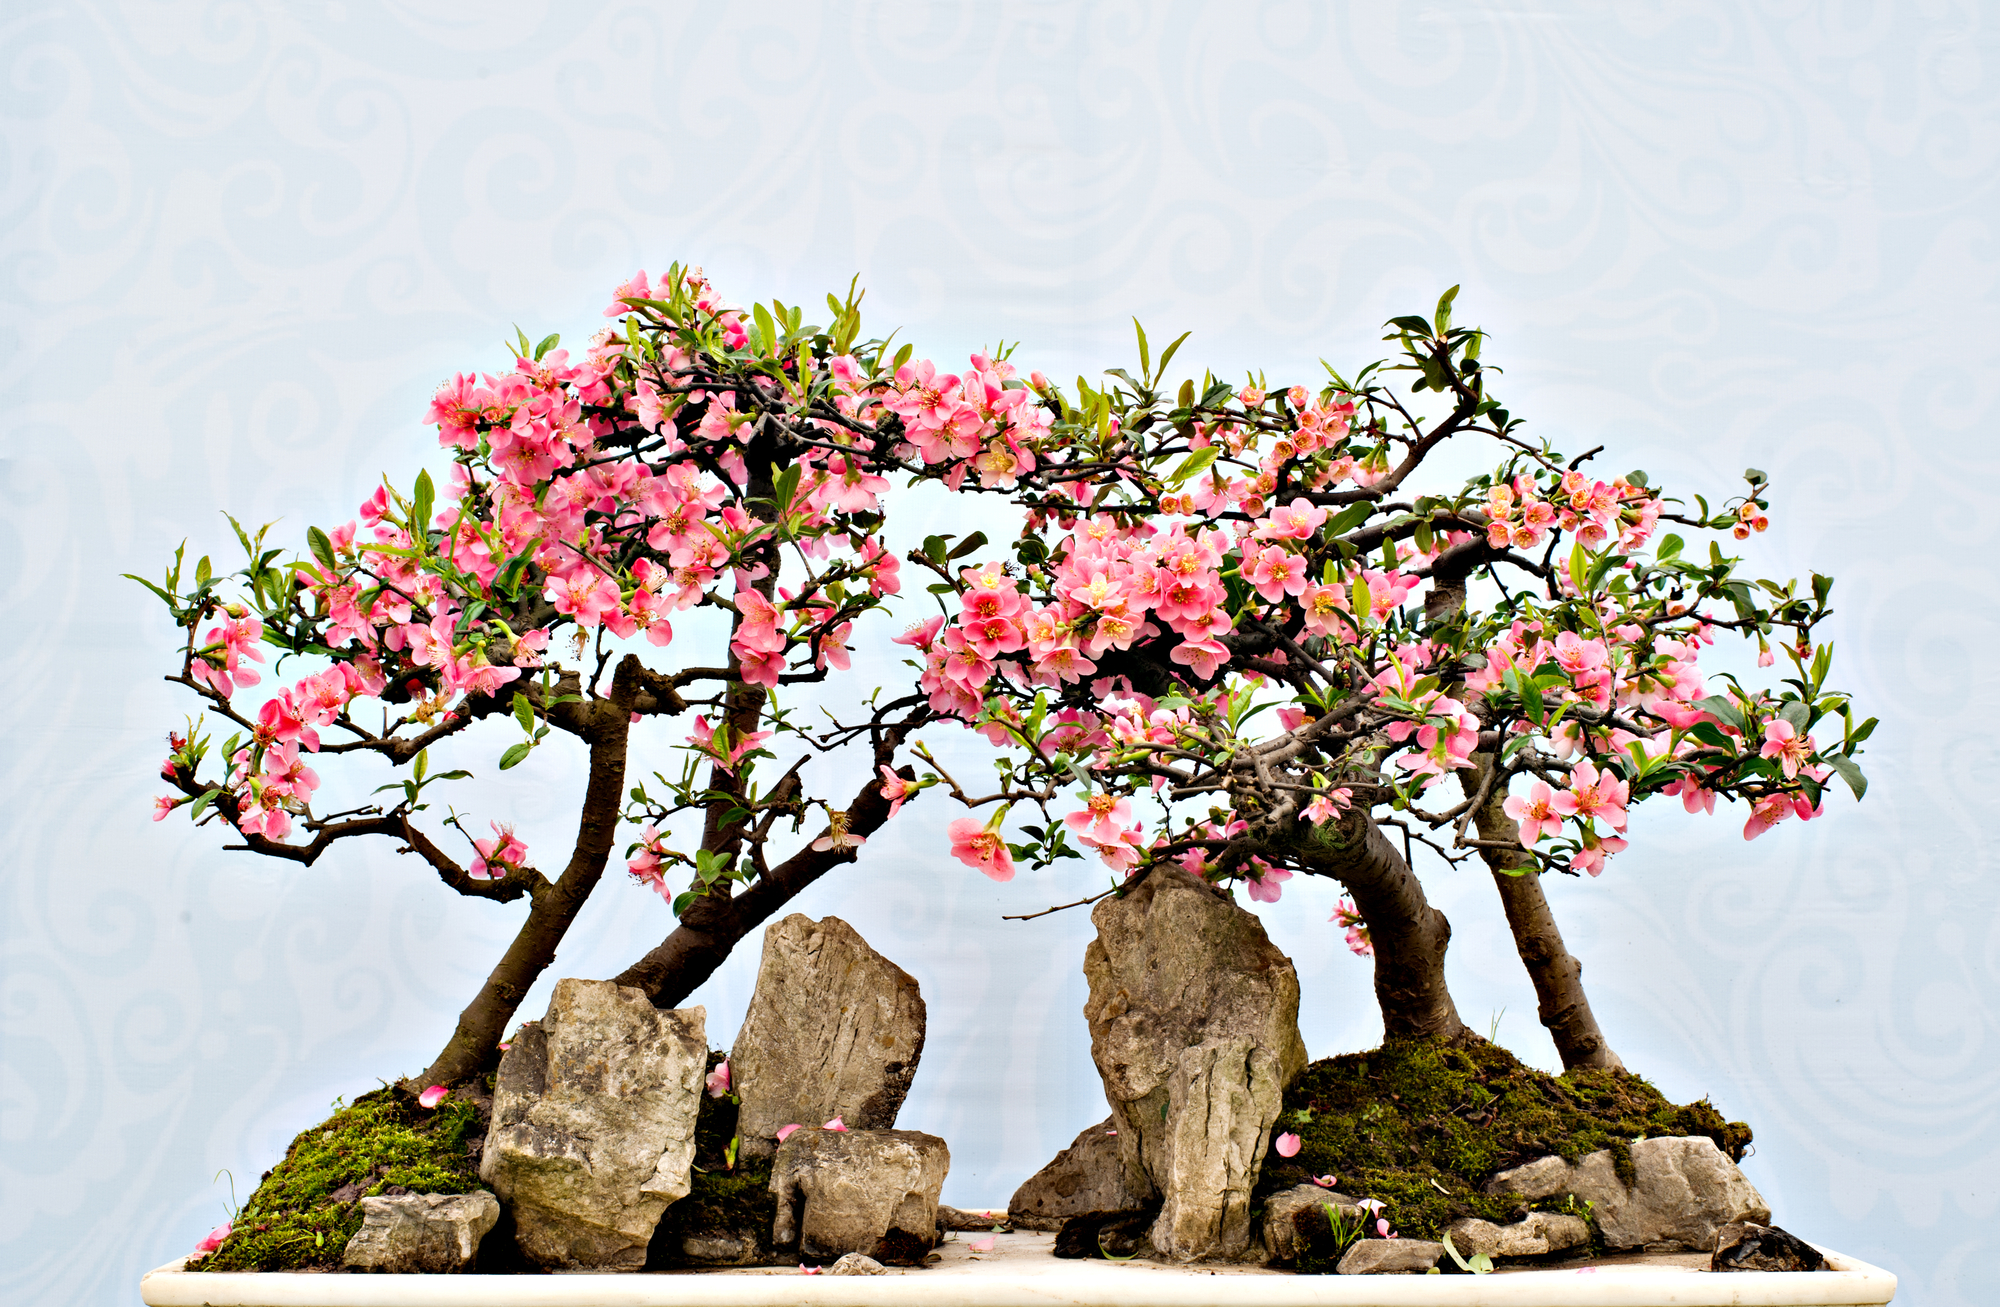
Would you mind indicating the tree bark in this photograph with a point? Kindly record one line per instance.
(1409, 935)
(1557, 975)
(483, 1023)
(713, 925)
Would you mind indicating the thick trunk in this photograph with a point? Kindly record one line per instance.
(713, 925)
(483, 1023)
(1409, 935)
(1558, 976)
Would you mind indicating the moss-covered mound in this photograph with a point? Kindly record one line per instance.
(1423, 1128)
(309, 1205)
(724, 1194)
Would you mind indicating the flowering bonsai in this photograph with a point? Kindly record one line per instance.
(1246, 630)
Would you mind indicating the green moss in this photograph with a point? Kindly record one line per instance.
(1423, 1128)
(721, 1196)
(308, 1206)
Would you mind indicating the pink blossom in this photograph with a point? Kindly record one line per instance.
(1268, 884)
(981, 849)
(1103, 818)
(498, 856)
(1348, 916)
(1537, 813)
(1783, 742)
(164, 805)
(1287, 1144)
(718, 1079)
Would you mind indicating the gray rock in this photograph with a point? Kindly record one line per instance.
(1684, 1191)
(721, 1248)
(834, 1029)
(1537, 1235)
(1193, 1019)
(1747, 1246)
(429, 1233)
(951, 1218)
(856, 1264)
(859, 1191)
(593, 1124)
(1280, 1209)
(1088, 1176)
(1390, 1257)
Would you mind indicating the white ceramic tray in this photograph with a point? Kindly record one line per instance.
(1019, 1272)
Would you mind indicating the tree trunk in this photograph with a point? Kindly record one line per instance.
(1558, 976)
(1409, 935)
(713, 924)
(483, 1023)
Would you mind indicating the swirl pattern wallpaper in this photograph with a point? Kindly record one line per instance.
(242, 242)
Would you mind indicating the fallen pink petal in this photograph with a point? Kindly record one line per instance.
(433, 1096)
(212, 1240)
(982, 1245)
(835, 1124)
(784, 1131)
(1287, 1145)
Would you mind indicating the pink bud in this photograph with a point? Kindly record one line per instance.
(433, 1096)
(1287, 1145)
(718, 1080)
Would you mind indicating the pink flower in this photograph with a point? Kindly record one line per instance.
(1349, 916)
(211, 1241)
(1104, 818)
(981, 849)
(1783, 742)
(785, 1131)
(432, 1097)
(1268, 884)
(718, 1079)
(498, 856)
(1287, 1144)
(1537, 813)
(895, 789)
(162, 806)
(837, 1125)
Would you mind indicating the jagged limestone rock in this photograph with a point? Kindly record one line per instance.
(593, 1124)
(1536, 1235)
(873, 1192)
(1281, 1211)
(834, 1030)
(1390, 1257)
(1684, 1190)
(428, 1233)
(1193, 1018)
(1088, 1176)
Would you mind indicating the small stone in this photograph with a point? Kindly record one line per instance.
(834, 1029)
(1088, 1176)
(1390, 1257)
(1684, 1190)
(856, 1264)
(1747, 1246)
(859, 1191)
(720, 1248)
(1104, 1234)
(1193, 1017)
(593, 1124)
(951, 1218)
(1282, 1209)
(1537, 1235)
(435, 1234)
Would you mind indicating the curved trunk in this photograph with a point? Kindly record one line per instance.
(1409, 935)
(483, 1023)
(1557, 975)
(713, 924)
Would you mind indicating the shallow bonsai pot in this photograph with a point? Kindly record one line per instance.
(1020, 1272)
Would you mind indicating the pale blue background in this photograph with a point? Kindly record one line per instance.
(240, 243)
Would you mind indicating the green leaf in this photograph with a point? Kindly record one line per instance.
(787, 486)
(1444, 310)
(549, 342)
(420, 510)
(1167, 356)
(149, 585)
(1722, 708)
(1198, 461)
(514, 755)
(1849, 772)
(322, 548)
(1363, 600)
(767, 330)
(971, 543)
(1797, 714)
(1710, 734)
(423, 763)
(1145, 354)
(524, 713)
(934, 548)
(1670, 546)
(1416, 326)
(1348, 518)
(1579, 568)
(201, 804)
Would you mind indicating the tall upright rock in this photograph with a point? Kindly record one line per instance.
(1194, 1026)
(834, 1029)
(593, 1124)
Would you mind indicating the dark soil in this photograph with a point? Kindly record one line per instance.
(1423, 1128)
(721, 1197)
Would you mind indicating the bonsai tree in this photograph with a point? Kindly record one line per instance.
(697, 456)
(1248, 630)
